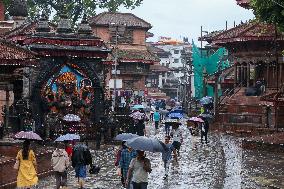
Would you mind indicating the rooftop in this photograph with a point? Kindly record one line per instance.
(128, 19)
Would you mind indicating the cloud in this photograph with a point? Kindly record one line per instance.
(183, 18)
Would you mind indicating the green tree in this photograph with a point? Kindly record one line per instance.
(271, 11)
(75, 8)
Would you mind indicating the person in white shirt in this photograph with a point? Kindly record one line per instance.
(176, 134)
(60, 162)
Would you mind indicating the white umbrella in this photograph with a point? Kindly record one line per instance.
(67, 137)
(27, 135)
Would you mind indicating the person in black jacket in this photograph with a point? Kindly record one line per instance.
(81, 157)
(204, 130)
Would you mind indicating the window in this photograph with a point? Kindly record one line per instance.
(176, 51)
(176, 60)
(163, 74)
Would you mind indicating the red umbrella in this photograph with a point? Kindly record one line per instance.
(27, 135)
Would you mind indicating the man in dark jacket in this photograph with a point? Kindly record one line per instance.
(81, 157)
(204, 130)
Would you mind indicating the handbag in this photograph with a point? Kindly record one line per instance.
(16, 165)
(94, 169)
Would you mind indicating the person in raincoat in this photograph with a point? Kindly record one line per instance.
(27, 167)
(156, 119)
(204, 130)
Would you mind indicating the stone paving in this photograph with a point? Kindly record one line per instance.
(220, 164)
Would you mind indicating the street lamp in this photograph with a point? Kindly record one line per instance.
(119, 30)
(201, 32)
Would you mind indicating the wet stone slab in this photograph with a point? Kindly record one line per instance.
(220, 164)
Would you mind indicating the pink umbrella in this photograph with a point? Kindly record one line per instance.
(27, 135)
(138, 115)
(196, 119)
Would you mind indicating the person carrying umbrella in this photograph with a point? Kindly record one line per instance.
(60, 163)
(27, 167)
(167, 155)
(139, 169)
(127, 154)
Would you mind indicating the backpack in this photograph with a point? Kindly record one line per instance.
(78, 157)
(147, 165)
(88, 157)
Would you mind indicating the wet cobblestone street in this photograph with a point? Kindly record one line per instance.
(220, 164)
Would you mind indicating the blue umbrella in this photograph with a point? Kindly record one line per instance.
(138, 106)
(67, 137)
(175, 116)
(206, 100)
(125, 136)
(145, 144)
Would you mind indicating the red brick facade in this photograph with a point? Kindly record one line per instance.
(2, 11)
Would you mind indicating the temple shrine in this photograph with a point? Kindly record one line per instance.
(63, 86)
(256, 101)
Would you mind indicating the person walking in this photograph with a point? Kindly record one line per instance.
(139, 169)
(140, 126)
(157, 118)
(167, 155)
(176, 133)
(27, 167)
(60, 162)
(127, 154)
(81, 157)
(204, 130)
(117, 162)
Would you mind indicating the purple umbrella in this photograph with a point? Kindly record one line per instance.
(196, 119)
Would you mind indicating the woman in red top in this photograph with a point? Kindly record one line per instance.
(68, 149)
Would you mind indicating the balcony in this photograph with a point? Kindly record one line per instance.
(134, 71)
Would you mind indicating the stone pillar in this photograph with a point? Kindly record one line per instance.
(248, 74)
(235, 74)
(267, 74)
(241, 74)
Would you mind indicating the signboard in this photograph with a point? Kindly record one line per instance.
(118, 83)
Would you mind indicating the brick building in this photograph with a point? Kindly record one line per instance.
(126, 35)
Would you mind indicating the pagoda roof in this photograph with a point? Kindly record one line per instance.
(159, 68)
(127, 19)
(131, 55)
(15, 55)
(249, 31)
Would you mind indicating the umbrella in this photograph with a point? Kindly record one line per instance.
(145, 144)
(71, 117)
(125, 136)
(196, 119)
(67, 137)
(27, 135)
(206, 100)
(175, 115)
(172, 121)
(138, 106)
(137, 115)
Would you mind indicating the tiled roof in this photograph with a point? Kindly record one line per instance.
(159, 68)
(130, 55)
(249, 31)
(13, 52)
(128, 19)
(15, 55)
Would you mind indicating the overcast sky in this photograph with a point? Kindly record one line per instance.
(183, 18)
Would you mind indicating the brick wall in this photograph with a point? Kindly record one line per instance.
(2, 10)
(139, 36)
(101, 32)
